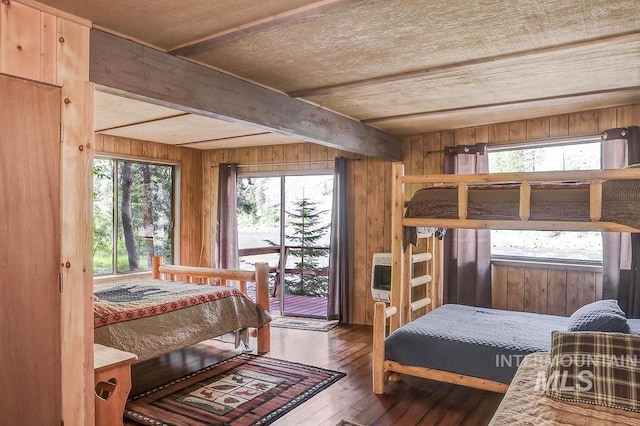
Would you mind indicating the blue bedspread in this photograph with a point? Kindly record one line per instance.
(478, 342)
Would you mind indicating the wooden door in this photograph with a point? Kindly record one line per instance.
(30, 347)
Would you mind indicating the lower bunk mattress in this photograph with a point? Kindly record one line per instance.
(478, 342)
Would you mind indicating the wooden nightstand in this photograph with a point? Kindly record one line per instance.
(112, 372)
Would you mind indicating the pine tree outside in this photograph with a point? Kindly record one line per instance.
(305, 231)
(306, 211)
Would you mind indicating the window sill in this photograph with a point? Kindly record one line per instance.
(545, 264)
(120, 278)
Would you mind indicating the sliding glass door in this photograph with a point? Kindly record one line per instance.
(285, 221)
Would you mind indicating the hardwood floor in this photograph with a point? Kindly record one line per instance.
(412, 401)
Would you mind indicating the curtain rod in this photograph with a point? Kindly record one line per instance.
(543, 143)
(289, 163)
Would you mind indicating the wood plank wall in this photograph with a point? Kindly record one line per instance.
(552, 290)
(369, 191)
(369, 187)
(49, 46)
(192, 251)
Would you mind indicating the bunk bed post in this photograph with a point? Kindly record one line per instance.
(379, 328)
(397, 212)
(156, 261)
(431, 269)
(406, 289)
(438, 273)
(262, 299)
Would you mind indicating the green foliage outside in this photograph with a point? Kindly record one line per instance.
(544, 245)
(102, 216)
(304, 231)
(161, 203)
(513, 161)
(253, 207)
(258, 207)
(567, 157)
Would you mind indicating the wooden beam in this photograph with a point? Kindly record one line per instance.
(130, 69)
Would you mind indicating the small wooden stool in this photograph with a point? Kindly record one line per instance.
(112, 373)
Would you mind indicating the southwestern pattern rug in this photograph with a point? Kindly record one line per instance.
(303, 323)
(243, 390)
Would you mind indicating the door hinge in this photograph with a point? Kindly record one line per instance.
(60, 282)
(61, 132)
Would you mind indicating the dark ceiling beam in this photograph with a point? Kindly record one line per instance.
(436, 70)
(130, 69)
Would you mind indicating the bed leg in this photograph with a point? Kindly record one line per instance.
(379, 325)
(262, 299)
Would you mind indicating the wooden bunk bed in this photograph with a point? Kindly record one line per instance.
(181, 306)
(525, 215)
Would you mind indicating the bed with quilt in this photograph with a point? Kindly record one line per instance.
(588, 379)
(482, 347)
(156, 316)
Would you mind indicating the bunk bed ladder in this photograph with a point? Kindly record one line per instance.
(419, 273)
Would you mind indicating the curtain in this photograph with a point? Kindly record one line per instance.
(467, 252)
(621, 251)
(338, 303)
(226, 254)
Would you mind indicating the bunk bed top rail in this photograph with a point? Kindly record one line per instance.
(609, 203)
(519, 177)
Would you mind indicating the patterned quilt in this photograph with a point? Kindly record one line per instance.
(152, 317)
(124, 302)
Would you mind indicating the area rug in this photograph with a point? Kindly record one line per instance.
(303, 323)
(244, 390)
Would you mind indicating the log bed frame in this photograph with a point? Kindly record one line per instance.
(399, 311)
(207, 276)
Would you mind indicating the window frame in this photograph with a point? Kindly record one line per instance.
(283, 175)
(529, 260)
(175, 210)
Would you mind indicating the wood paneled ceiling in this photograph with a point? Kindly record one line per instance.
(403, 66)
(128, 118)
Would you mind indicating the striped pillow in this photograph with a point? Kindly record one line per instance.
(596, 368)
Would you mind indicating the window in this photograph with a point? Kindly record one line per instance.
(546, 245)
(132, 215)
(285, 221)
